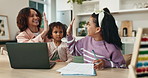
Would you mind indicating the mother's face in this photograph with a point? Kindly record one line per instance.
(33, 19)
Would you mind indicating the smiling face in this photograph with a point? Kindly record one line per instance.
(91, 28)
(33, 19)
(57, 33)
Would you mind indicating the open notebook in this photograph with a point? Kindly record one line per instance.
(78, 69)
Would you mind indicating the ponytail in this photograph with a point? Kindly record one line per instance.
(109, 28)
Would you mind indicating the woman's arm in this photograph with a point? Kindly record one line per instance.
(46, 27)
(23, 37)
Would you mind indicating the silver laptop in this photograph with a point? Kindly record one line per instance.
(29, 55)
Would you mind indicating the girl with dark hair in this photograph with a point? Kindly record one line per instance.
(29, 22)
(102, 46)
(58, 50)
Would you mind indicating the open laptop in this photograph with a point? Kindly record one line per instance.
(29, 56)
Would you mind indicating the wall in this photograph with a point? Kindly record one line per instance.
(11, 9)
(51, 11)
(63, 5)
(139, 19)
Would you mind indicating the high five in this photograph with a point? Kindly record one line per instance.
(102, 46)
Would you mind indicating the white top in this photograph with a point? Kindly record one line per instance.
(62, 49)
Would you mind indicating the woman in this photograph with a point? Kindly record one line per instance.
(29, 22)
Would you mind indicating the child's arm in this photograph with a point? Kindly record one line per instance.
(116, 60)
(73, 46)
(69, 29)
(69, 56)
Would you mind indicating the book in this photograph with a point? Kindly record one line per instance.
(78, 69)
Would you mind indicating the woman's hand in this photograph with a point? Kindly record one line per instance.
(99, 64)
(69, 29)
(46, 27)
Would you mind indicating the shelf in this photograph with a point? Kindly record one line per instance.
(84, 14)
(128, 42)
(90, 2)
(130, 11)
(119, 11)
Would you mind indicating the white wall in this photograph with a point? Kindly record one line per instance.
(139, 19)
(11, 8)
(63, 5)
(51, 10)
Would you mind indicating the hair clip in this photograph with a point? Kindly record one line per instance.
(101, 15)
(98, 11)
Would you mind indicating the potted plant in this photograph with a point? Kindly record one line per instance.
(78, 1)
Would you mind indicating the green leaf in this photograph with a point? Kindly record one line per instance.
(68, 1)
(73, 1)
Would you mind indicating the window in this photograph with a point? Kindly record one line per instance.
(39, 5)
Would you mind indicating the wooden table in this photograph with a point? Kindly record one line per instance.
(7, 72)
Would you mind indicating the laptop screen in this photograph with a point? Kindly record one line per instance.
(28, 55)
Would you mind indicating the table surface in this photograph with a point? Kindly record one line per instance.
(7, 72)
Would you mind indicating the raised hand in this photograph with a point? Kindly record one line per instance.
(46, 27)
(69, 29)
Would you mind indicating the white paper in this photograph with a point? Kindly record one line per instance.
(78, 68)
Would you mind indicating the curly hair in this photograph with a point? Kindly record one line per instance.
(56, 24)
(22, 18)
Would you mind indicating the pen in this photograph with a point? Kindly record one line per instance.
(98, 62)
(96, 57)
(94, 54)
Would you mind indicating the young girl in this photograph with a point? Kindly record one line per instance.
(58, 50)
(29, 22)
(102, 46)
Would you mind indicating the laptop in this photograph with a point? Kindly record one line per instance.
(29, 56)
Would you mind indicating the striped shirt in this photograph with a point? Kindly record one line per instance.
(102, 50)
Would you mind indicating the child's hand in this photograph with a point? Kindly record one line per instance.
(99, 64)
(46, 27)
(69, 29)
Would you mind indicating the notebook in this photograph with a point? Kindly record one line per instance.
(78, 69)
(29, 56)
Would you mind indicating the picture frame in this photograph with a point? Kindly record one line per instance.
(81, 32)
(4, 28)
